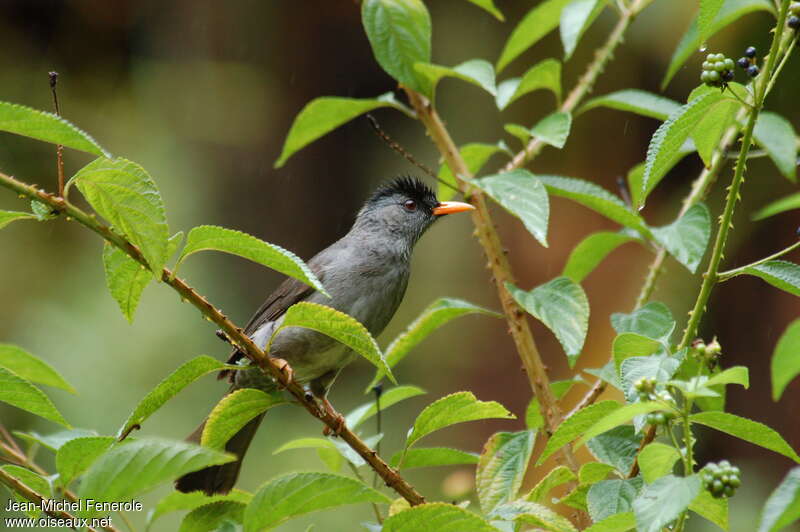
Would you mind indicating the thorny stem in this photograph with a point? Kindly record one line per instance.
(59, 148)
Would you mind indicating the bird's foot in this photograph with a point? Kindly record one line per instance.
(284, 368)
(328, 409)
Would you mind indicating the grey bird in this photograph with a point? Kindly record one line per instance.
(366, 273)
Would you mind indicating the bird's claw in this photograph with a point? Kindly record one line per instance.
(328, 409)
(284, 368)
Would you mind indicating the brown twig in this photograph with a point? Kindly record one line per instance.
(59, 148)
(36, 497)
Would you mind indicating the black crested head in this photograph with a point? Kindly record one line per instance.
(408, 187)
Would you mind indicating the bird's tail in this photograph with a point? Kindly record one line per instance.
(219, 478)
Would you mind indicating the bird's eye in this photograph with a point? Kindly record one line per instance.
(410, 205)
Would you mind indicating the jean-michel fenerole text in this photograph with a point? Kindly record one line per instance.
(78, 506)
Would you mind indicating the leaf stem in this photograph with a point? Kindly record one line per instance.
(59, 148)
(724, 276)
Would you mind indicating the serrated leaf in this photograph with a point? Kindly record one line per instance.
(712, 125)
(691, 41)
(591, 251)
(562, 305)
(686, 238)
(635, 101)
(659, 367)
(233, 412)
(615, 523)
(575, 425)
(42, 211)
(533, 415)
(537, 23)
(399, 32)
(785, 365)
(176, 381)
(780, 274)
(339, 326)
(777, 136)
(435, 315)
(214, 238)
(48, 127)
(628, 345)
(22, 394)
(6, 217)
(618, 417)
(31, 368)
(211, 516)
(531, 513)
(326, 450)
(475, 71)
(657, 460)
(123, 193)
(387, 399)
(475, 156)
(488, 5)
(705, 18)
(177, 501)
(77, 455)
(635, 176)
(436, 517)
(553, 129)
(783, 506)
(522, 195)
(288, 496)
(653, 320)
(617, 447)
(715, 510)
(543, 75)
(747, 430)
(433, 457)
(34, 481)
(663, 501)
(54, 441)
(137, 466)
(611, 497)
(502, 467)
(788, 203)
(455, 408)
(555, 477)
(576, 17)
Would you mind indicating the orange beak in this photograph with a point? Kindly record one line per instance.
(449, 207)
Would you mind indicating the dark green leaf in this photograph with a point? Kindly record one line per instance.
(521, 194)
(686, 238)
(712, 125)
(635, 176)
(777, 136)
(433, 456)
(489, 6)
(6, 217)
(76, 455)
(636, 101)
(476, 71)
(785, 360)
(611, 497)
(591, 251)
(436, 517)
(126, 279)
(177, 501)
(211, 516)
(539, 21)
(783, 506)
(780, 274)
(705, 18)
(788, 203)
(618, 447)
(575, 425)
(475, 156)
(502, 467)
(543, 75)
(233, 412)
(22, 394)
(653, 320)
(664, 500)
(31, 368)
(553, 129)
(531, 513)
(575, 19)
(747, 430)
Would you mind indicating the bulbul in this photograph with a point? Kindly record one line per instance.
(366, 273)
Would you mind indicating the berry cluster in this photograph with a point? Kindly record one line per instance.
(709, 353)
(794, 18)
(748, 62)
(721, 479)
(646, 390)
(717, 70)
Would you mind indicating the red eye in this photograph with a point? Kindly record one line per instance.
(410, 205)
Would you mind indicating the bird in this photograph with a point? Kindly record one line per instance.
(365, 273)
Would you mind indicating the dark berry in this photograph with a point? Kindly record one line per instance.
(794, 22)
(752, 71)
(727, 75)
(743, 62)
(750, 52)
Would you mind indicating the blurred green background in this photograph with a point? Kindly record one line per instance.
(202, 94)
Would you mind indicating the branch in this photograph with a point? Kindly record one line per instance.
(389, 475)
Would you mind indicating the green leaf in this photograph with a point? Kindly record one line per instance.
(177, 501)
(777, 136)
(615, 523)
(6, 217)
(611, 497)
(617, 447)
(48, 127)
(735, 375)
(628, 345)
(288, 496)
(339, 326)
(436, 517)
(432, 457)
(562, 305)
(34, 481)
(451, 409)
(544, 75)
(476, 71)
(705, 18)
(591, 251)
(488, 5)
(123, 193)
(210, 517)
(576, 17)
(659, 367)
(747, 430)
(691, 41)
(531, 513)
(635, 101)
(664, 500)
(593, 472)
(399, 32)
(653, 320)
(42, 211)
(553, 129)
(555, 477)
(618, 417)
(437, 314)
(24, 395)
(126, 279)
(76, 455)
(475, 156)
(387, 399)
(715, 510)
(780, 274)
(594, 197)
(522, 195)
(211, 237)
(233, 412)
(686, 238)
(31, 368)
(788, 203)
(785, 362)
(502, 467)
(137, 466)
(55, 440)
(539, 21)
(575, 425)
(635, 176)
(657, 460)
(326, 450)
(533, 416)
(783, 506)
(186, 374)
(709, 129)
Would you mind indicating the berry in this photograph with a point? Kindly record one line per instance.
(727, 76)
(753, 71)
(794, 22)
(743, 62)
(721, 479)
(728, 63)
(750, 52)
(717, 70)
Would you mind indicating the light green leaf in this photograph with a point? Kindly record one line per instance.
(399, 32)
(210, 517)
(780, 274)
(636, 101)
(76, 455)
(176, 381)
(123, 193)
(288, 496)
(476, 71)
(432, 457)
(562, 305)
(591, 251)
(686, 238)
(339, 326)
(635, 176)
(618, 417)
(653, 320)
(715, 510)
(783, 506)
(436, 517)
(611, 497)
(53, 441)
(22, 394)
(502, 467)
(628, 345)
(555, 477)
(663, 501)
(788, 203)
(437, 314)
(451, 409)
(34, 481)
(522, 195)
(233, 412)
(31, 368)
(211, 237)
(137, 466)
(522, 133)
(735, 375)
(617, 447)
(177, 501)
(777, 136)
(539, 21)
(576, 17)
(543, 75)
(534, 514)
(593, 472)
(554, 128)
(615, 523)
(692, 40)
(326, 450)
(42, 211)
(747, 430)
(387, 399)
(785, 364)
(709, 129)
(6, 217)
(596, 198)
(575, 425)
(656, 460)
(48, 127)
(533, 416)
(475, 156)
(705, 18)
(488, 5)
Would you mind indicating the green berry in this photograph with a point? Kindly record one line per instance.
(714, 77)
(728, 490)
(729, 64)
(735, 482)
